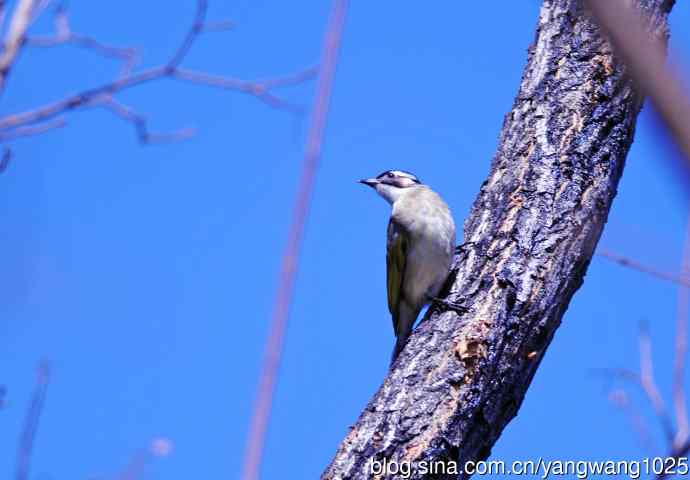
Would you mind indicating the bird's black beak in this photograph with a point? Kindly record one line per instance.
(372, 182)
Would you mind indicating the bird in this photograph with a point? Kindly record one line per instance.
(419, 248)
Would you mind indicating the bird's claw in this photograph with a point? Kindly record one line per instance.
(448, 305)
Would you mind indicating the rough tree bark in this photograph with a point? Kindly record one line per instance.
(527, 245)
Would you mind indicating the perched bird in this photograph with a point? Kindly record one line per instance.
(421, 242)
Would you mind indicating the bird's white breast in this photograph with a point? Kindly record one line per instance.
(431, 231)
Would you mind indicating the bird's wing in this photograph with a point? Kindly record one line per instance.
(395, 262)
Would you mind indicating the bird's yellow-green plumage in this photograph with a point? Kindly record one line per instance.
(395, 263)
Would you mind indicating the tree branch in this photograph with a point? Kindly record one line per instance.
(620, 399)
(140, 124)
(65, 36)
(648, 383)
(681, 280)
(260, 89)
(192, 34)
(5, 159)
(33, 416)
(22, 18)
(31, 130)
(11, 125)
(286, 283)
(681, 349)
(527, 245)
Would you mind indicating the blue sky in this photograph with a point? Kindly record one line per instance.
(146, 275)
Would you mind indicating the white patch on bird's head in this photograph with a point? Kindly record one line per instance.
(399, 178)
(392, 184)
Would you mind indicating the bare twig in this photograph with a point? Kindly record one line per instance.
(64, 35)
(87, 98)
(14, 40)
(676, 453)
(31, 130)
(681, 349)
(31, 421)
(79, 100)
(620, 399)
(3, 4)
(681, 345)
(619, 373)
(645, 58)
(192, 34)
(289, 80)
(312, 155)
(5, 159)
(678, 440)
(635, 265)
(136, 466)
(41, 6)
(140, 124)
(648, 383)
(645, 381)
(219, 26)
(260, 90)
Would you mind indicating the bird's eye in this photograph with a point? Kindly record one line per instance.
(390, 175)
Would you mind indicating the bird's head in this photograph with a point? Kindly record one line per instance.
(391, 184)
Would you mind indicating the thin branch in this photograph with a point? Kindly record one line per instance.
(681, 349)
(635, 265)
(620, 399)
(14, 40)
(136, 466)
(31, 130)
(645, 381)
(3, 4)
(676, 453)
(290, 79)
(85, 98)
(5, 159)
(312, 155)
(79, 100)
(619, 373)
(192, 34)
(140, 459)
(41, 6)
(31, 421)
(140, 124)
(171, 69)
(219, 26)
(648, 383)
(64, 35)
(260, 90)
(645, 59)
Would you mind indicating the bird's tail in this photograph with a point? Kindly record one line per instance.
(399, 344)
(403, 328)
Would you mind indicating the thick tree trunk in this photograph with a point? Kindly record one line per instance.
(528, 241)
